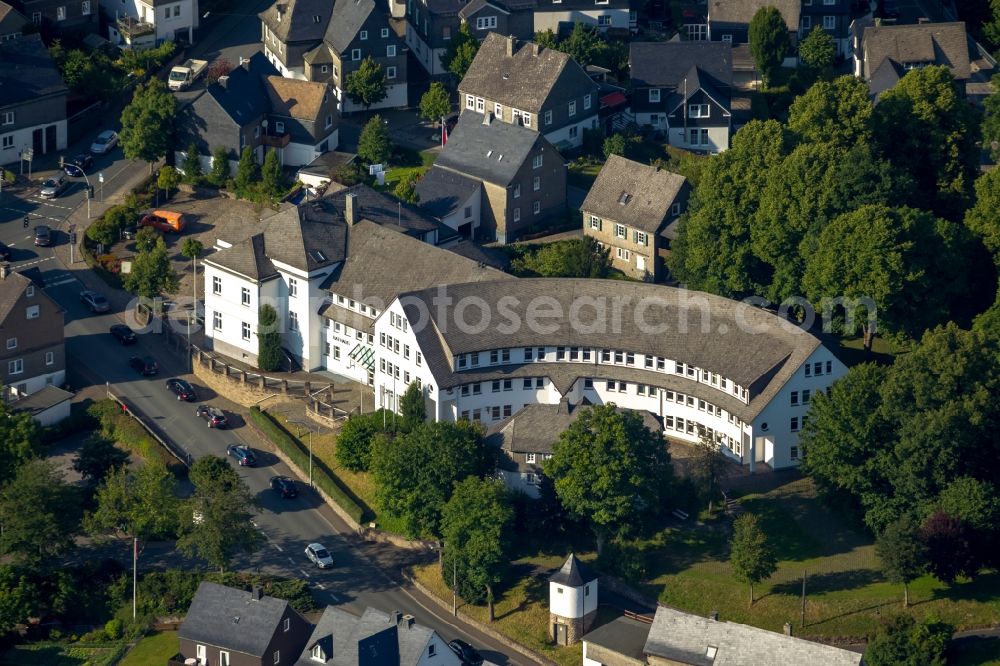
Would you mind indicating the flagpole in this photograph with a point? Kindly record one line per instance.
(135, 560)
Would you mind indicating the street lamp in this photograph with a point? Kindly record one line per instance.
(90, 190)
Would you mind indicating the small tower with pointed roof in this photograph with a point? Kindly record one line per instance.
(572, 601)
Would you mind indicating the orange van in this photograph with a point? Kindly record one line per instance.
(164, 220)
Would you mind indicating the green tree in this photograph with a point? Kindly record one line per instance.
(547, 39)
(447, 453)
(147, 122)
(713, 250)
(707, 468)
(20, 441)
(435, 104)
(990, 126)
(949, 547)
(902, 553)
(247, 173)
(220, 167)
(354, 441)
(902, 263)
(98, 457)
(406, 190)
(750, 556)
(818, 52)
(610, 471)
(367, 84)
(38, 513)
(271, 175)
(838, 112)
(614, 145)
(900, 641)
(268, 339)
(152, 274)
(584, 44)
(475, 524)
(461, 51)
(769, 43)
(140, 503)
(923, 126)
(145, 239)
(374, 144)
(190, 249)
(412, 407)
(577, 257)
(983, 219)
(191, 166)
(167, 179)
(216, 522)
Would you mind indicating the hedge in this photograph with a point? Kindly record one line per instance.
(325, 479)
(130, 434)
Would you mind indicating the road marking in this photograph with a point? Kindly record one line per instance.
(65, 280)
(280, 549)
(32, 263)
(45, 202)
(32, 214)
(291, 561)
(304, 573)
(321, 586)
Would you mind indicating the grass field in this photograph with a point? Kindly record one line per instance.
(360, 483)
(410, 164)
(155, 648)
(61, 654)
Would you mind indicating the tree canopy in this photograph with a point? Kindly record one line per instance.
(97, 457)
(147, 122)
(20, 441)
(769, 41)
(367, 84)
(837, 112)
(902, 553)
(140, 503)
(817, 51)
(461, 51)
(610, 471)
(354, 441)
(901, 641)
(577, 257)
(374, 144)
(39, 513)
(750, 556)
(268, 338)
(152, 274)
(435, 104)
(412, 408)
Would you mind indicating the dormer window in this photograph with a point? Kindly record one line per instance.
(317, 18)
(364, 35)
(711, 651)
(317, 654)
(624, 198)
(654, 95)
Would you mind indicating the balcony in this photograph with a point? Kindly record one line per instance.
(131, 28)
(275, 140)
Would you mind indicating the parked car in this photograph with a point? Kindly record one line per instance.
(4, 252)
(144, 365)
(128, 233)
(53, 187)
(244, 456)
(123, 334)
(215, 416)
(43, 236)
(181, 389)
(104, 143)
(319, 555)
(469, 655)
(164, 220)
(284, 486)
(78, 166)
(94, 301)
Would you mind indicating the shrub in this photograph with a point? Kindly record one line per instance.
(114, 628)
(129, 433)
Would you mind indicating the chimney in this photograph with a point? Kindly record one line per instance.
(788, 628)
(714, 616)
(351, 209)
(535, 49)
(487, 117)
(409, 620)
(396, 616)
(510, 45)
(257, 593)
(4, 270)
(224, 82)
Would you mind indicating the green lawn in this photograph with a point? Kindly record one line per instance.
(582, 173)
(408, 164)
(155, 648)
(61, 654)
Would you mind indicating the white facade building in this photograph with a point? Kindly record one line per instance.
(144, 24)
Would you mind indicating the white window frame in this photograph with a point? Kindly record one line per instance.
(536, 207)
(293, 287)
(245, 296)
(246, 330)
(486, 22)
(595, 222)
(85, 7)
(699, 111)
(363, 35)
(470, 102)
(621, 231)
(355, 54)
(572, 108)
(216, 285)
(536, 183)
(586, 101)
(15, 367)
(390, 72)
(7, 141)
(61, 13)
(390, 51)
(217, 321)
(654, 95)
(604, 20)
(11, 343)
(279, 126)
(829, 22)
(32, 312)
(536, 161)
(293, 320)
(8, 118)
(548, 117)
(516, 216)
(480, 104)
(806, 22)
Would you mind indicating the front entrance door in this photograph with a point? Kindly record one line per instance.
(37, 141)
(50, 138)
(560, 634)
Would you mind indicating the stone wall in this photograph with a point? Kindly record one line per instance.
(575, 627)
(231, 387)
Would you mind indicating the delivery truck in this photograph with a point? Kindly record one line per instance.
(184, 75)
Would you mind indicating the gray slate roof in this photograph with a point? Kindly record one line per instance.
(648, 193)
(622, 636)
(27, 72)
(385, 211)
(483, 255)
(442, 191)
(573, 573)
(40, 400)
(11, 289)
(247, 258)
(14, 19)
(297, 19)
(753, 347)
(667, 63)
(347, 19)
(940, 43)
(491, 152)
(406, 263)
(243, 96)
(535, 428)
(740, 12)
(685, 638)
(226, 617)
(527, 79)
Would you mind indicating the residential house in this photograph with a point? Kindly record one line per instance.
(12, 22)
(326, 43)
(703, 365)
(33, 103)
(232, 627)
(255, 107)
(606, 15)
(525, 439)
(430, 25)
(502, 178)
(883, 54)
(629, 210)
(685, 90)
(834, 16)
(33, 354)
(146, 23)
(387, 639)
(675, 637)
(48, 406)
(309, 257)
(62, 15)
(538, 88)
(729, 20)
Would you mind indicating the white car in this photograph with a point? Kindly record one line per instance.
(319, 555)
(104, 143)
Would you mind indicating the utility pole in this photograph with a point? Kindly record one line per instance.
(135, 577)
(802, 613)
(454, 587)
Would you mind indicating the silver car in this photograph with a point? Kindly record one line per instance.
(104, 142)
(319, 555)
(53, 187)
